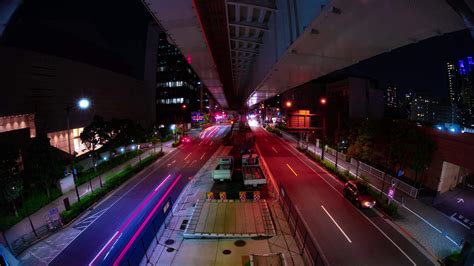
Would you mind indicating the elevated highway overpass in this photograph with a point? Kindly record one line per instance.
(246, 51)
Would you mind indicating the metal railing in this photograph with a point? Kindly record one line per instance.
(386, 179)
(26, 240)
(307, 246)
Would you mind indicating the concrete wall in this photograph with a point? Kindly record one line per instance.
(44, 85)
(452, 150)
(449, 177)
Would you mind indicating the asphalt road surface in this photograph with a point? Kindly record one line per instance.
(130, 203)
(346, 235)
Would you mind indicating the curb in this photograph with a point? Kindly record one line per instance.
(404, 232)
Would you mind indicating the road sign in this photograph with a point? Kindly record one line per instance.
(394, 182)
(223, 195)
(197, 117)
(391, 192)
(242, 195)
(256, 195)
(210, 195)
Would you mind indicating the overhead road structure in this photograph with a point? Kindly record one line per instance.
(247, 51)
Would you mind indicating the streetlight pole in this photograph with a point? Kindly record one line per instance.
(68, 111)
(323, 102)
(82, 104)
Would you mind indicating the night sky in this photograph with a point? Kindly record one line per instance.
(418, 67)
(106, 33)
(112, 34)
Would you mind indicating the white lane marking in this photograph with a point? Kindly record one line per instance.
(185, 158)
(212, 142)
(100, 252)
(423, 219)
(160, 162)
(389, 239)
(274, 149)
(450, 239)
(334, 221)
(380, 230)
(202, 156)
(266, 140)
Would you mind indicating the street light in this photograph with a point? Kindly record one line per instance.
(83, 104)
(288, 103)
(323, 101)
(173, 128)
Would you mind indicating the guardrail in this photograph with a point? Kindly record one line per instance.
(26, 240)
(307, 245)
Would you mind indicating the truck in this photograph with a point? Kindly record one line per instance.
(224, 169)
(251, 172)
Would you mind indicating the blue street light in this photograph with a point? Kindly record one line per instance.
(105, 158)
(439, 127)
(84, 103)
(122, 150)
(134, 147)
(173, 127)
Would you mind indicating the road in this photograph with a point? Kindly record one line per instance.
(124, 210)
(347, 235)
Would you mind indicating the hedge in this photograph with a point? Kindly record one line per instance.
(84, 177)
(34, 199)
(113, 182)
(275, 131)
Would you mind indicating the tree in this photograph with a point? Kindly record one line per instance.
(362, 143)
(422, 152)
(43, 163)
(92, 136)
(11, 184)
(154, 137)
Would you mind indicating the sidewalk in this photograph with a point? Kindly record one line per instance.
(170, 248)
(428, 228)
(41, 217)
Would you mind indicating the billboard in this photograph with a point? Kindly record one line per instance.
(197, 117)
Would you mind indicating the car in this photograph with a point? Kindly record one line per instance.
(359, 194)
(186, 139)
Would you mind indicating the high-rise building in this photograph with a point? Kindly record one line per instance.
(453, 86)
(177, 85)
(422, 108)
(460, 75)
(391, 99)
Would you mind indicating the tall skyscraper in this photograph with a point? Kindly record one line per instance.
(391, 99)
(460, 75)
(177, 85)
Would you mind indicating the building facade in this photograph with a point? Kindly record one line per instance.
(178, 87)
(460, 81)
(42, 86)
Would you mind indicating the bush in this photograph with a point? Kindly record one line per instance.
(275, 131)
(105, 166)
(452, 259)
(113, 182)
(382, 204)
(34, 199)
(176, 143)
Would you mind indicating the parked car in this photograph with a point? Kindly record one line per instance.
(359, 194)
(186, 139)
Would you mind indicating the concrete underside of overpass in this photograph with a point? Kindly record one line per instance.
(247, 51)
